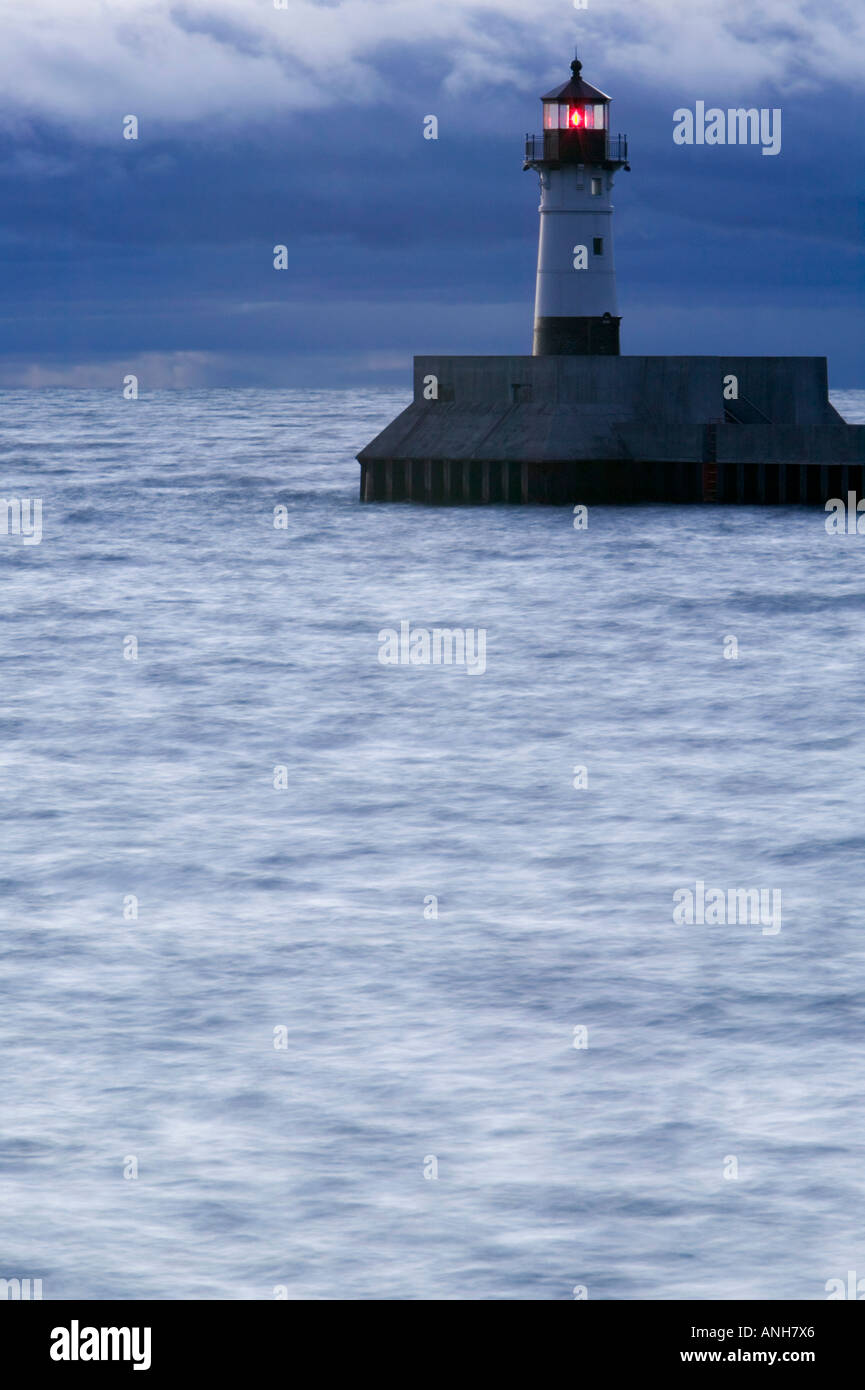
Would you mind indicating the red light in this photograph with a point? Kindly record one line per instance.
(576, 117)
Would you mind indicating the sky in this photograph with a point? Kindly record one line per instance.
(303, 126)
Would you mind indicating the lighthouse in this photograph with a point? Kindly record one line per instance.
(576, 422)
(576, 158)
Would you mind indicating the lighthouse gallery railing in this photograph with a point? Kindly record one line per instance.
(617, 148)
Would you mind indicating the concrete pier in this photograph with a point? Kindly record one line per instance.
(563, 430)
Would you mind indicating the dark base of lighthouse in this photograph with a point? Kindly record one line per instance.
(576, 337)
(565, 430)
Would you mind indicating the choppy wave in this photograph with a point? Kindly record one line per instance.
(410, 1037)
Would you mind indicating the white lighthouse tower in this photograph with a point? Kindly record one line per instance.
(576, 309)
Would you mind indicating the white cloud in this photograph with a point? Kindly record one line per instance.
(155, 371)
(89, 62)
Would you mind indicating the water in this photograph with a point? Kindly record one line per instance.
(412, 1038)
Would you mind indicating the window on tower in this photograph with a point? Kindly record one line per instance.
(597, 188)
(598, 247)
(600, 116)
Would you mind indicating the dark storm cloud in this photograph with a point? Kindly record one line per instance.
(163, 246)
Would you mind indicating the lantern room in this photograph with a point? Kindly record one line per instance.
(576, 122)
(562, 116)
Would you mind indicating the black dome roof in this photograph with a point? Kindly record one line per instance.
(576, 90)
